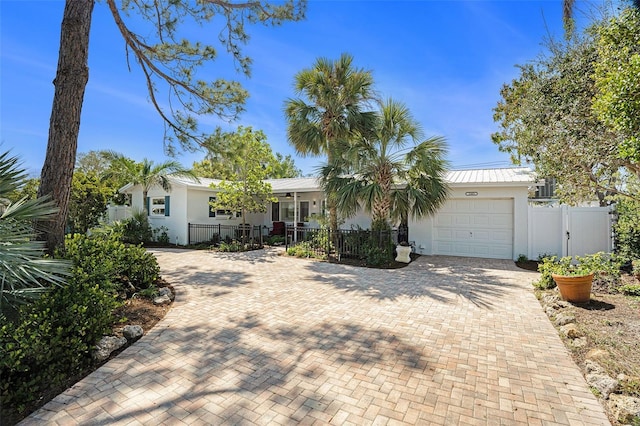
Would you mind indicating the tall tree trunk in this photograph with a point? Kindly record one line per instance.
(381, 208)
(71, 79)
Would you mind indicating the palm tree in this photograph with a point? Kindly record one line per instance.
(146, 173)
(24, 273)
(389, 179)
(334, 111)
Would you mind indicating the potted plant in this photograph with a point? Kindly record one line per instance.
(573, 279)
(403, 251)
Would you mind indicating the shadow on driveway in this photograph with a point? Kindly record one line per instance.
(441, 278)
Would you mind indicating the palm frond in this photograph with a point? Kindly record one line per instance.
(24, 273)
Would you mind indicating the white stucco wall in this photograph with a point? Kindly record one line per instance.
(361, 219)
(177, 211)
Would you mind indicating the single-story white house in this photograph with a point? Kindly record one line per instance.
(486, 215)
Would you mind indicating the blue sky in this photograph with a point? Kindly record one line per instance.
(445, 59)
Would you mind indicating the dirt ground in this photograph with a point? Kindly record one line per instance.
(610, 322)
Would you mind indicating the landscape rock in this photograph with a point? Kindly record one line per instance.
(579, 342)
(597, 354)
(624, 408)
(604, 384)
(550, 311)
(106, 346)
(564, 318)
(571, 331)
(563, 304)
(592, 367)
(162, 300)
(550, 299)
(132, 332)
(166, 291)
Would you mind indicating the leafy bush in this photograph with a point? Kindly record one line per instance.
(378, 256)
(305, 249)
(274, 240)
(148, 293)
(546, 268)
(136, 229)
(606, 269)
(52, 339)
(161, 235)
(627, 228)
(232, 246)
(630, 289)
(119, 263)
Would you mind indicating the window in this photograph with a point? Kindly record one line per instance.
(212, 210)
(287, 211)
(275, 212)
(303, 213)
(158, 206)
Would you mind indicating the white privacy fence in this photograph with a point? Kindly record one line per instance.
(569, 231)
(118, 213)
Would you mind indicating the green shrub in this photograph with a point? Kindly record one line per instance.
(635, 268)
(377, 256)
(161, 235)
(627, 228)
(630, 289)
(117, 262)
(305, 249)
(274, 240)
(232, 246)
(148, 293)
(136, 229)
(606, 269)
(53, 339)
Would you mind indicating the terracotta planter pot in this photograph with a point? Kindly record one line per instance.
(575, 289)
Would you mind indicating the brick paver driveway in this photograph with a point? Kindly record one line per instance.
(258, 338)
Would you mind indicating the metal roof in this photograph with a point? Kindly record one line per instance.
(507, 176)
(512, 175)
(278, 185)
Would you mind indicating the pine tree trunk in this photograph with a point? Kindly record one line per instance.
(70, 82)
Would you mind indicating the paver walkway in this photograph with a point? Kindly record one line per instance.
(258, 338)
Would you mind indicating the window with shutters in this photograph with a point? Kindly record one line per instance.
(158, 206)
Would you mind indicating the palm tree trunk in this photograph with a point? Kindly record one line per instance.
(71, 79)
(145, 206)
(381, 210)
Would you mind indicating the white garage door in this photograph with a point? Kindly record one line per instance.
(475, 228)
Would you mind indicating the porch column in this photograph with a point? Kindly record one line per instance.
(295, 216)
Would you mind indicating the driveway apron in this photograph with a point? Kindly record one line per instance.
(259, 338)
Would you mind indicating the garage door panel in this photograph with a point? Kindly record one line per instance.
(444, 220)
(462, 220)
(477, 228)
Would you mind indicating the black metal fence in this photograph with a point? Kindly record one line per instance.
(214, 234)
(344, 244)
